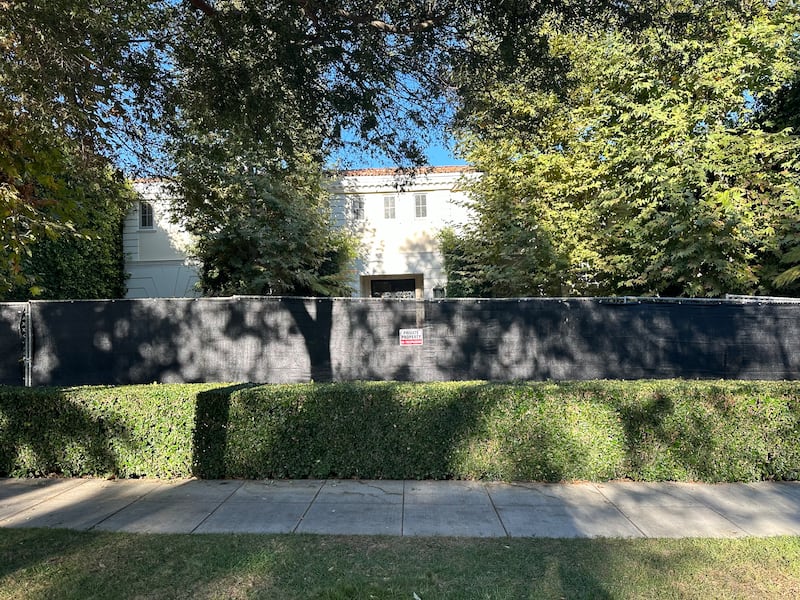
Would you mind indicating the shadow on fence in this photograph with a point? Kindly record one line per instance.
(288, 340)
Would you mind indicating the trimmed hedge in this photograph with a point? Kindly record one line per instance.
(644, 430)
(127, 431)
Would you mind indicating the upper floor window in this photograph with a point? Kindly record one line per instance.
(146, 220)
(421, 205)
(388, 207)
(357, 209)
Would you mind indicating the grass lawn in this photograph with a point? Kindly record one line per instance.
(68, 564)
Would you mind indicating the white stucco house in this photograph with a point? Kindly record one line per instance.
(396, 219)
(155, 248)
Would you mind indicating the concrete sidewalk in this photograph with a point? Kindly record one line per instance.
(405, 508)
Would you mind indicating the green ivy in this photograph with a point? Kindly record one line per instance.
(84, 259)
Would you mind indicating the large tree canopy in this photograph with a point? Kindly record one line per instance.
(643, 165)
(275, 84)
(376, 74)
(78, 89)
(246, 99)
(266, 90)
(263, 92)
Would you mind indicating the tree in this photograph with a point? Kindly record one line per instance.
(62, 209)
(781, 111)
(87, 263)
(642, 168)
(285, 81)
(266, 90)
(77, 88)
(263, 92)
(262, 232)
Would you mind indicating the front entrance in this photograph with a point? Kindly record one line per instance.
(392, 286)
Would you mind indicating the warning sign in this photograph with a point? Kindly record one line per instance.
(411, 337)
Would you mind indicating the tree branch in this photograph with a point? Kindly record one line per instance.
(386, 27)
(204, 7)
(212, 13)
(311, 10)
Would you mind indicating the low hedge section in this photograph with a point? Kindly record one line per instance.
(597, 430)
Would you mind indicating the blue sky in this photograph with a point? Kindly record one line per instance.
(439, 154)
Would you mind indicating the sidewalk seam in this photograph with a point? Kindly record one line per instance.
(403, 512)
(496, 512)
(713, 509)
(120, 509)
(310, 504)
(622, 512)
(224, 500)
(746, 532)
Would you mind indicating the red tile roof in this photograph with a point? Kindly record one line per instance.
(388, 171)
(395, 171)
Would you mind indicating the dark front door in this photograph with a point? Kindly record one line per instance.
(393, 288)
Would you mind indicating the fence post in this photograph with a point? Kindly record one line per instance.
(26, 332)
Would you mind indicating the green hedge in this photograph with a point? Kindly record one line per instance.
(644, 430)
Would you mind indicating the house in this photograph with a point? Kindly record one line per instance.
(155, 248)
(396, 220)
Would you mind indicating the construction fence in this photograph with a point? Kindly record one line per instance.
(282, 340)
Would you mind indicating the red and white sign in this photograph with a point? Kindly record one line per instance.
(411, 337)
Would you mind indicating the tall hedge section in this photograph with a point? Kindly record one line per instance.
(643, 430)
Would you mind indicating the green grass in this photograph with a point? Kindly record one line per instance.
(67, 564)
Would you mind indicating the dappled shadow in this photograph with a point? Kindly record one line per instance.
(12, 348)
(168, 340)
(566, 339)
(400, 431)
(643, 420)
(282, 340)
(51, 433)
(367, 344)
(209, 438)
(383, 431)
(66, 564)
(723, 432)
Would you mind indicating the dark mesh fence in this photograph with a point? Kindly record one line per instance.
(294, 339)
(11, 343)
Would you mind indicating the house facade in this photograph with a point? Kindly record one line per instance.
(396, 220)
(155, 248)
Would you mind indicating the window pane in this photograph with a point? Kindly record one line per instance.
(388, 207)
(357, 209)
(145, 215)
(421, 205)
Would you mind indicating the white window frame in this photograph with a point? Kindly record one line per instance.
(389, 207)
(147, 220)
(421, 206)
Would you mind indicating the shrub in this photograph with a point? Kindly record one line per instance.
(128, 431)
(645, 430)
